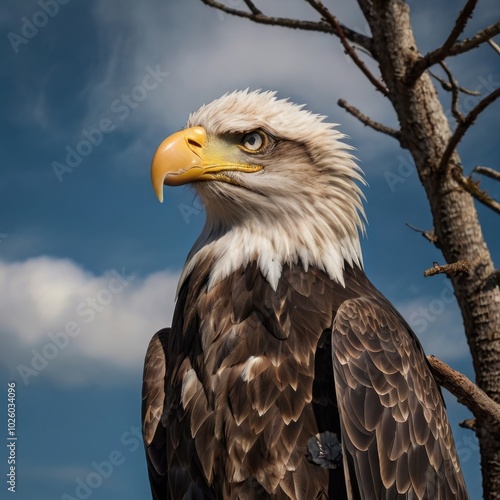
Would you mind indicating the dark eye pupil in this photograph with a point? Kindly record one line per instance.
(253, 141)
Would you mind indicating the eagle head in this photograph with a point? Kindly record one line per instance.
(275, 179)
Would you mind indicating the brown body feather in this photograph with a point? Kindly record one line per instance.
(248, 375)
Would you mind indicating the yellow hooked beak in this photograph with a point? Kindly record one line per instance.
(178, 159)
(183, 158)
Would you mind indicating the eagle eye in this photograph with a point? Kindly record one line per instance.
(253, 142)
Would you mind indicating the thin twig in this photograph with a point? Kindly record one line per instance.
(428, 235)
(368, 121)
(440, 54)
(459, 117)
(472, 187)
(460, 23)
(461, 266)
(322, 27)
(468, 423)
(446, 85)
(479, 403)
(254, 10)
(321, 9)
(471, 43)
(465, 125)
(494, 46)
(488, 172)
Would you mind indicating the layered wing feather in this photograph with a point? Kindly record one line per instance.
(153, 400)
(395, 431)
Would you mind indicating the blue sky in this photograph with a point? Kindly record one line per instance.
(89, 259)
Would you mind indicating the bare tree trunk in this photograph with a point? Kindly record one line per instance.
(425, 132)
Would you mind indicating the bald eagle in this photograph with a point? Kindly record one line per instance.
(286, 374)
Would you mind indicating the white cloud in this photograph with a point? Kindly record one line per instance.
(69, 325)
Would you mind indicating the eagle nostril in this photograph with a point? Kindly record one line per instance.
(194, 142)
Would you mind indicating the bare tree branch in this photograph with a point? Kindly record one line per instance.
(254, 10)
(459, 117)
(368, 121)
(319, 7)
(461, 266)
(447, 86)
(471, 43)
(467, 393)
(428, 235)
(442, 52)
(494, 46)
(322, 27)
(460, 23)
(465, 125)
(447, 50)
(469, 423)
(472, 187)
(488, 172)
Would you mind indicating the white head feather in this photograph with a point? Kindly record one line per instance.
(303, 207)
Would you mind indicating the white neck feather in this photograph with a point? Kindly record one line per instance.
(311, 242)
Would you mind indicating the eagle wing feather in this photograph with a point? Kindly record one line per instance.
(393, 418)
(153, 399)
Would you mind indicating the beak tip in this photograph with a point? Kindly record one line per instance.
(157, 182)
(159, 194)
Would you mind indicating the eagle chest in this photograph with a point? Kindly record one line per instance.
(244, 384)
